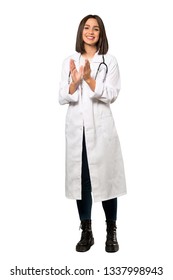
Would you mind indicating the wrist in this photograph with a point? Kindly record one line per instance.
(91, 83)
(88, 80)
(75, 84)
(73, 87)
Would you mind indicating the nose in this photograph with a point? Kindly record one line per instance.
(91, 31)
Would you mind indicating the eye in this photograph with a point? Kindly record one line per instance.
(86, 27)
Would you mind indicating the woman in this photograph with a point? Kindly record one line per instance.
(90, 82)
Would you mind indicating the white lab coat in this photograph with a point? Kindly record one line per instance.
(91, 110)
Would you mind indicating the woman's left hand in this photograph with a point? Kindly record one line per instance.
(87, 76)
(86, 70)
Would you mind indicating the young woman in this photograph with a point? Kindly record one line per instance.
(90, 82)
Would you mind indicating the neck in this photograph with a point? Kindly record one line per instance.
(89, 51)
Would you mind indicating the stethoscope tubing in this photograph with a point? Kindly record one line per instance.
(102, 63)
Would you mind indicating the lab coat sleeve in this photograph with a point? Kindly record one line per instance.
(64, 96)
(108, 91)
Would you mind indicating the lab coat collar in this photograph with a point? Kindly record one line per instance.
(96, 58)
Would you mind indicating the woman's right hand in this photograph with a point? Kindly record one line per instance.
(76, 76)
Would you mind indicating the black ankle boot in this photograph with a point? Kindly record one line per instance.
(87, 239)
(111, 240)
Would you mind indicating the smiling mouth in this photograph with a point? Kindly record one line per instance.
(90, 37)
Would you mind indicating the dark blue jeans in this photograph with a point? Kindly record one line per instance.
(85, 204)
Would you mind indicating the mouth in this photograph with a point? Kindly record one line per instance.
(90, 37)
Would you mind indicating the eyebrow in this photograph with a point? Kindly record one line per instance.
(93, 26)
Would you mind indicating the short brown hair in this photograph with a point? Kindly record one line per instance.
(102, 44)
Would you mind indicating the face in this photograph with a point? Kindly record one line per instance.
(91, 32)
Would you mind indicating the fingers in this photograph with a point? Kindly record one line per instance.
(72, 65)
(87, 62)
(87, 70)
(81, 69)
(83, 73)
(87, 66)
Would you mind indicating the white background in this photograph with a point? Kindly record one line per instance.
(39, 226)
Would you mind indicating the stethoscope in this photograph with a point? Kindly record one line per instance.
(101, 63)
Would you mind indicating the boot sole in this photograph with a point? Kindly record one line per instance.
(112, 249)
(81, 249)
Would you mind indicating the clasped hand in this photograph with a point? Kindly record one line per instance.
(83, 73)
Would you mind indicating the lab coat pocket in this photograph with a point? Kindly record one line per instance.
(108, 128)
